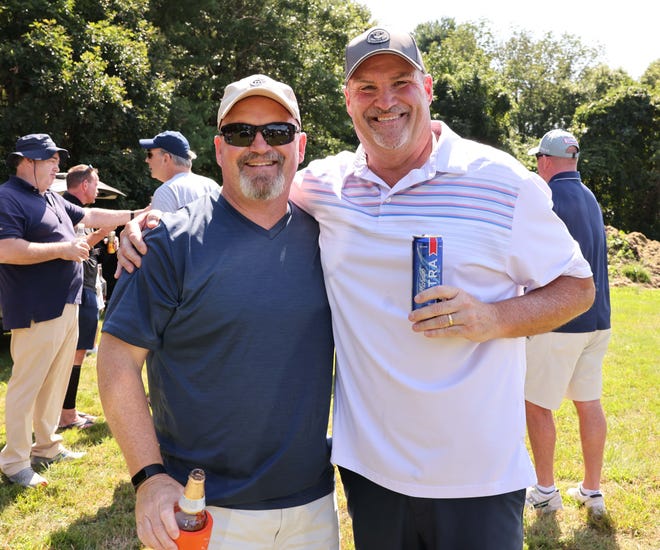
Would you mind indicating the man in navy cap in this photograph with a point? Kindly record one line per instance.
(170, 160)
(40, 289)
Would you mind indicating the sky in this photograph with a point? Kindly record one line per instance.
(626, 31)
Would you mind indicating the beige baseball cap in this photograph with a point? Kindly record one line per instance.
(258, 85)
(379, 40)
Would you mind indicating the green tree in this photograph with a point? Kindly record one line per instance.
(544, 80)
(620, 154)
(81, 72)
(300, 42)
(468, 93)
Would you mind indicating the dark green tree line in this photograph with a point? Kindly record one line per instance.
(98, 75)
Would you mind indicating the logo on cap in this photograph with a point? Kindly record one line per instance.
(378, 36)
(257, 82)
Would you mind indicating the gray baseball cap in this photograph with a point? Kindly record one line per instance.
(379, 40)
(556, 144)
(258, 85)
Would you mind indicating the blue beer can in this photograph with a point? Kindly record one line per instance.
(426, 265)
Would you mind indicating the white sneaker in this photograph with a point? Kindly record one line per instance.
(63, 455)
(543, 503)
(594, 502)
(27, 477)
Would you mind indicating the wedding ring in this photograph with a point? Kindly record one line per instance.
(451, 320)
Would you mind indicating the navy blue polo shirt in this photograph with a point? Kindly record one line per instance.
(577, 206)
(37, 292)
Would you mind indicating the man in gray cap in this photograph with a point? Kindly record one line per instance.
(568, 361)
(170, 160)
(428, 426)
(428, 430)
(40, 289)
(229, 310)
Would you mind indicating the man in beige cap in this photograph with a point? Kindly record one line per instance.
(229, 310)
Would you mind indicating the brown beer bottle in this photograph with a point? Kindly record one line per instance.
(189, 513)
(111, 246)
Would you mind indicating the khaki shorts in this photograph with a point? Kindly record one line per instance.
(313, 526)
(562, 364)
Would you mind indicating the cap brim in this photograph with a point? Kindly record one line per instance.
(533, 150)
(44, 154)
(147, 143)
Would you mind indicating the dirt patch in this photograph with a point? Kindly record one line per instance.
(633, 259)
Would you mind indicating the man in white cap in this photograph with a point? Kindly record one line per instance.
(229, 310)
(429, 420)
(170, 160)
(40, 288)
(568, 361)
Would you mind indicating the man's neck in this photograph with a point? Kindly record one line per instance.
(263, 213)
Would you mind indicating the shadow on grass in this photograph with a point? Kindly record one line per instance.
(109, 528)
(95, 435)
(544, 533)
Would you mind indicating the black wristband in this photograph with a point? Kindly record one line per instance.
(145, 473)
(132, 214)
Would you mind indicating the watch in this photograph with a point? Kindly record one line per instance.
(145, 473)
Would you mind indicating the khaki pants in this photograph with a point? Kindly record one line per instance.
(313, 526)
(42, 358)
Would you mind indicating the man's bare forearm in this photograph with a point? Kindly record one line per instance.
(124, 401)
(546, 308)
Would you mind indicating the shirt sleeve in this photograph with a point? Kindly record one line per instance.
(542, 247)
(144, 301)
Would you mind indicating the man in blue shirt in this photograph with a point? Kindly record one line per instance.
(568, 361)
(40, 288)
(230, 312)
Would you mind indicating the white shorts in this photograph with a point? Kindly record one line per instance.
(563, 364)
(313, 526)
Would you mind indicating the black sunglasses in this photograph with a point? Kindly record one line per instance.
(239, 134)
(539, 155)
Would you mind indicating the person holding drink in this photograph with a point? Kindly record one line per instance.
(429, 414)
(230, 312)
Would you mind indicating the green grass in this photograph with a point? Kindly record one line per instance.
(89, 504)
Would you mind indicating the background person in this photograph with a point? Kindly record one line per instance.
(568, 361)
(81, 189)
(230, 312)
(170, 160)
(40, 288)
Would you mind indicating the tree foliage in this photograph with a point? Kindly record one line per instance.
(98, 75)
(619, 156)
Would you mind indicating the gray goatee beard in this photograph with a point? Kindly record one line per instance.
(262, 188)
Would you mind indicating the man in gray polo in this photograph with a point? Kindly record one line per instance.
(170, 160)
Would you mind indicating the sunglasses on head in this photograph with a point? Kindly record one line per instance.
(240, 134)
